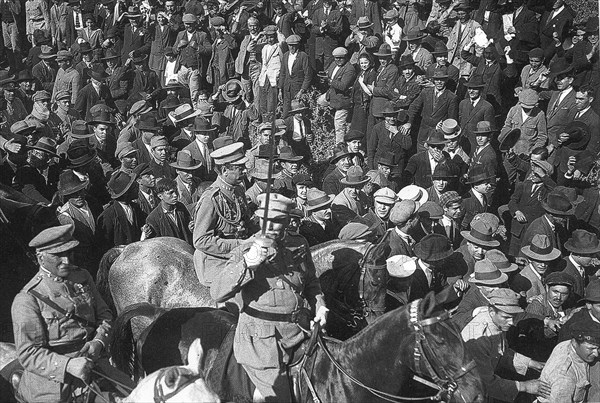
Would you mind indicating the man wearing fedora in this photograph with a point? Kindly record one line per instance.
(258, 174)
(430, 213)
(444, 178)
(37, 178)
(25, 88)
(352, 201)
(94, 92)
(381, 175)
(295, 75)
(136, 39)
(440, 54)
(189, 186)
(302, 182)
(86, 63)
(170, 217)
(44, 70)
(583, 247)
(318, 227)
(342, 160)
(200, 148)
(145, 82)
(433, 105)
(183, 118)
(298, 131)
(361, 39)
(421, 166)
(289, 162)
(479, 198)
(148, 128)
(584, 97)
(474, 109)
(104, 140)
(15, 110)
(382, 89)
(539, 254)
(387, 137)
(422, 57)
(485, 337)
(76, 211)
(121, 222)
(407, 87)
(67, 78)
(477, 241)
(484, 154)
(221, 216)
(238, 111)
(553, 224)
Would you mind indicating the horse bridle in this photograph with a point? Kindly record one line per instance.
(444, 382)
(367, 307)
(159, 395)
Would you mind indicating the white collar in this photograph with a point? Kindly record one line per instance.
(550, 222)
(535, 271)
(579, 268)
(580, 113)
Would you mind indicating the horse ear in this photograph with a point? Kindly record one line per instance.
(195, 356)
(428, 305)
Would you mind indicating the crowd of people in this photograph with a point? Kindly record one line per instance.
(465, 134)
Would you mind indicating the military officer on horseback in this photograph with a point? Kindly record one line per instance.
(275, 275)
(221, 216)
(61, 324)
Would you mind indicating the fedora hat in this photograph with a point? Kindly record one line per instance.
(353, 134)
(233, 90)
(25, 75)
(384, 51)
(98, 73)
(316, 199)
(111, 54)
(475, 82)
(339, 153)
(103, 117)
(571, 193)
(450, 129)
(386, 158)
(500, 260)
(183, 112)
(185, 161)
(436, 138)
(483, 127)
(479, 173)
(433, 248)
(406, 61)
(414, 193)
(148, 123)
(364, 22)
(506, 300)
(6, 79)
(548, 170)
(561, 67)
(487, 273)
(80, 153)
(592, 291)
(133, 12)
(440, 73)
(85, 47)
(260, 170)
(439, 49)
(463, 5)
(510, 139)
(540, 249)
(413, 34)
(69, 183)
(202, 125)
(47, 53)
(47, 145)
(389, 110)
(139, 59)
(79, 130)
(120, 183)
(287, 154)
(355, 177)
(297, 107)
(64, 55)
(445, 170)
(558, 204)
(579, 135)
(481, 233)
(583, 242)
(401, 266)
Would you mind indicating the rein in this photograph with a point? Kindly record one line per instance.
(445, 384)
(366, 304)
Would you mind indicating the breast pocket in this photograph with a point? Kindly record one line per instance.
(52, 325)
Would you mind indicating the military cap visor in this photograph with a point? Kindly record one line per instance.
(54, 240)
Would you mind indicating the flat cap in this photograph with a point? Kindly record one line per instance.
(385, 196)
(529, 97)
(41, 95)
(63, 55)
(124, 149)
(505, 300)
(279, 206)
(189, 18)
(293, 40)
(339, 52)
(217, 21)
(158, 141)
(230, 154)
(140, 107)
(587, 331)
(559, 278)
(302, 179)
(55, 239)
(355, 231)
(449, 197)
(403, 211)
(431, 210)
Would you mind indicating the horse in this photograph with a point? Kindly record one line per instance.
(411, 345)
(160, 271)
(179, 383)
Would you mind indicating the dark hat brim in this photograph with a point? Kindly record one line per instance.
(52, 153)
(474, 85)
(467, 235)
(436, 258)
(110, 57)
(303, 109)
(97, 76)
(81, 161)
(555, 254)
(47, 56)
(338, 157)
(510, 139)
(114, 195)
(480, 179)
(322, 204)
(550, 210)
(378, 54)
(500, 280)
(580, 251)
(192, 168)
(74, 189)
(413, 38)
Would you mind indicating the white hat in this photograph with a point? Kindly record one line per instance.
(401, 266)
(385, 195)
(413, 192)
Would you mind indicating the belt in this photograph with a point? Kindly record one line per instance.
(37, 19)
(274, 317)
(67, 348)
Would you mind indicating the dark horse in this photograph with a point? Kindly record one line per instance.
(382, 362)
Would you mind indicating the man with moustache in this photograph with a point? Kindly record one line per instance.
(318, 227)
(221, 217)
(58, 353)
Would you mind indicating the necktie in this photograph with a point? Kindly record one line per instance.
(152, 201)
(450, 231)
(77, 20)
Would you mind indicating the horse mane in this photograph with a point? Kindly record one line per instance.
(102, 283)
(123, 349)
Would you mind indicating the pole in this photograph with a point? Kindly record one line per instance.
(270, 172)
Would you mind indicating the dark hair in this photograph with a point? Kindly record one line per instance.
(541, 151)
(588, 89)
(165, 184)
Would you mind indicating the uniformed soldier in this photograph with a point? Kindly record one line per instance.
(221, 217)
(276, 277)
(61, 324)
(568, 368)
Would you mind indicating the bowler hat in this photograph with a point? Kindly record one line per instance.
(287, 154)
(558, 204)
(487, 273)
(387, 158)
(390, 110)
(120, 183)
(559, 278)
(25, 75)
(316, 199)
(413, 34)
(500, 260)
(583, 242)
(233, 90)
(433, 248)
(384, 51)
(185, 161)
(445, 170)
(47, 145)
(540, 249)
(55, 239)
(510, 139)
(103, 117)
(414, 193)
(69, 183)
(481, 234)
(506, 300)
(354, 177)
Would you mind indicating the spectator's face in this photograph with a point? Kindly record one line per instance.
(161, 19)
(64, 103)
(169, 196)
(474, 93)
(293, 49)
(452, 144)
(412, 45)
(578, 36)
(301, 191)
(442, 59)
(234, 174)
(453, 210)
(463, 16)
(290, 167)
(279, 10)
(185, 176)
(588, 352)
(539, 267)
(482, 140)
(272, 39)
(203, 137)
(170, 7)
(483, 188)
(189, 26)
(147, 180)
(390, 22)
(253, 27)
(501, 319)
(324, 214)
(352, 192)
(344, 163)
(385, 170)
(78, 199)
(264, 136)
(563, 82)
(101, 131)
(477, 251)
(364, 63)
(382, 209)
(593, 39)
(557, 295)
(89, 24)
(440, 184)
(133, 22)
(594, 309)
(340, 61)
(384, 61)
(354, 146)
(25, 85)
(160, 153)
(535, 62)
(129, 161)
(275, 227)
(407, 73)
(9, 94)
(87, 56)
(557, 4)
(58, 264)
(439, 84)
(44, 103)
(582, 100)
(111, 63)
(294, 224)
(390, 120)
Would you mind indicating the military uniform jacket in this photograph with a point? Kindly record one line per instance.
(46, 339)
(567, 374)
(67, 80)
(264, 290)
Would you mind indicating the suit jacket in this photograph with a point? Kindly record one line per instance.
(469, 116)
(88, 97)
(486, 157)
(106, 152)
(344, 208)
(162, 40)
(144, 204)
(542, 227)
(533, 129)
(164, 170)
(372, 9)
(472, 299)
(588, 211)
(561, 23)
(558, 117)
(203, 172)
(139, 42)
(537, 285)
(577, 292)
(464, 261)
(340, 86)
(144, 81)
(398, 246)
(419, 287)
(418, 170)
(383, 87)
(298, 79)
(190, 197)
(530, 205)
(432, 111)
(331, 38)
(315, 234)
(592, 120)
(162, 225)
(114, 229)
(456, 44)
(143, 155)
(45, 75)
(381, 140)
(332, 184)
(471, 207)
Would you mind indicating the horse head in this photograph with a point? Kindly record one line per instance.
(373, 280)
(438, 353)
(176, 383)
